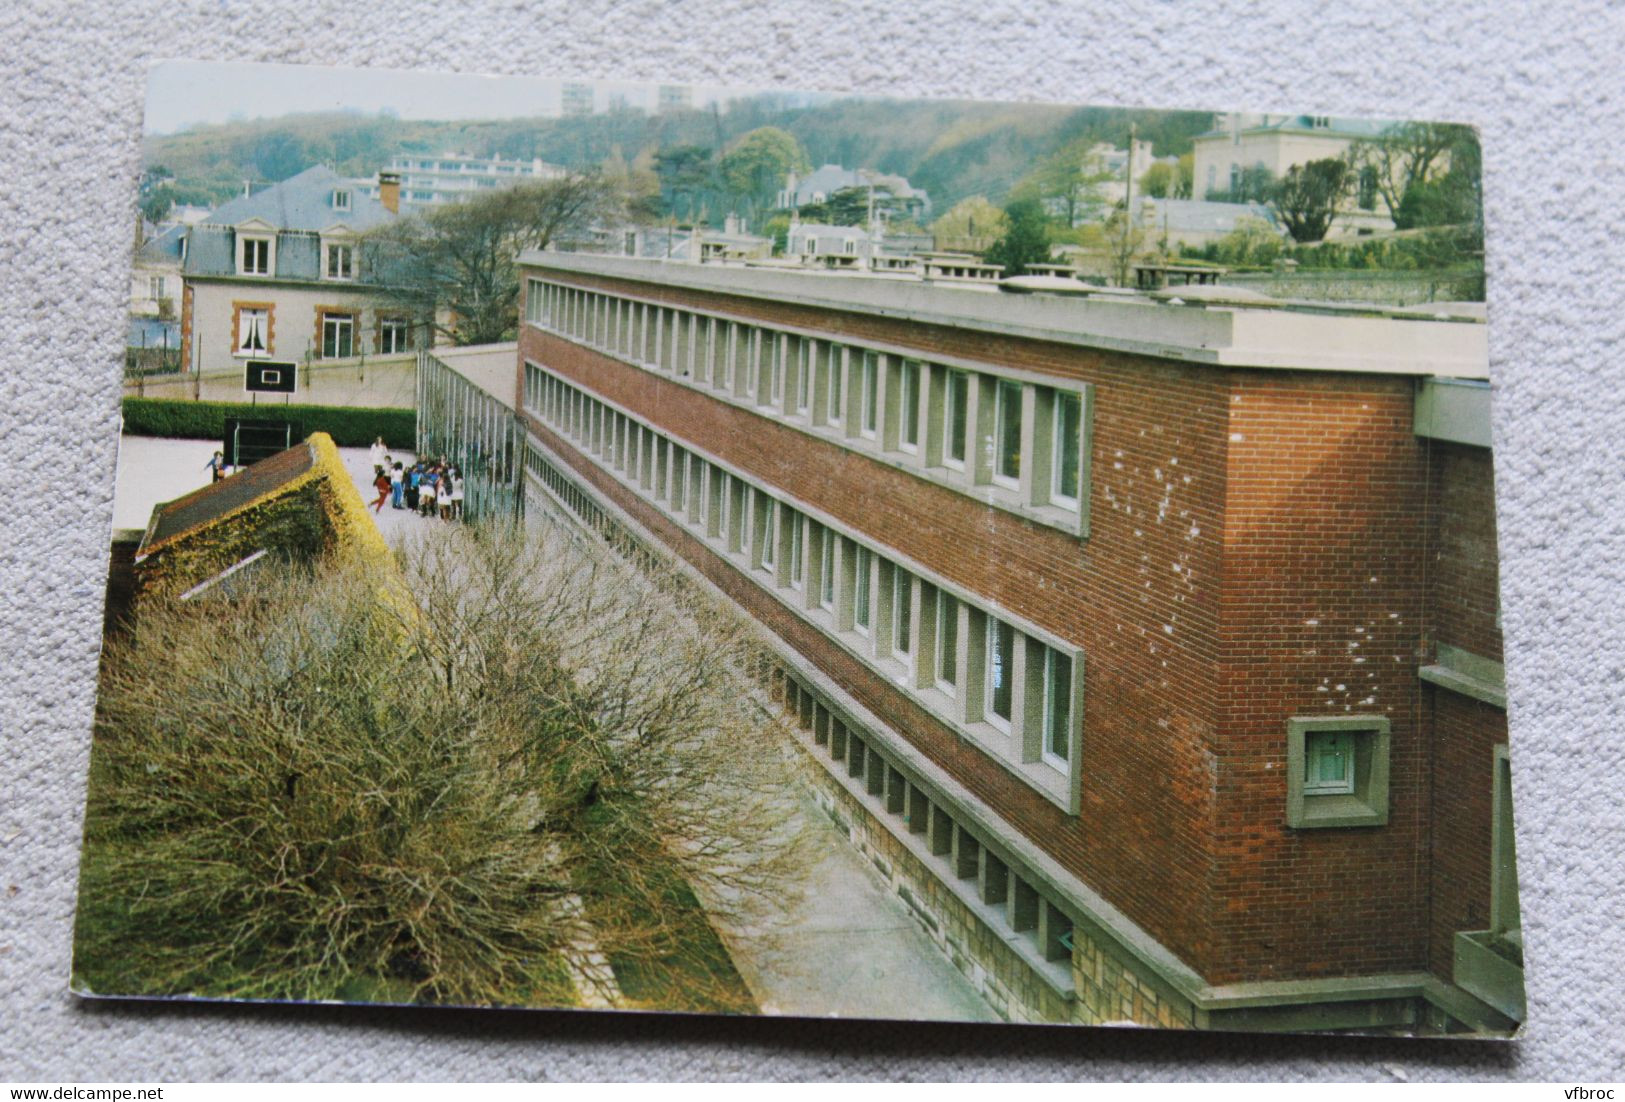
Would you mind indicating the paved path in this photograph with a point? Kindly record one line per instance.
(851, 949)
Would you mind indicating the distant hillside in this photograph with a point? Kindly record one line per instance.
(952, 149)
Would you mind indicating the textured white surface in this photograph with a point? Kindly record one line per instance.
(1544, 82)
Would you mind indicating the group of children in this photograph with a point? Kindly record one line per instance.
(428, 488)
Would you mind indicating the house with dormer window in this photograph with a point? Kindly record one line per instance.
(281, 274)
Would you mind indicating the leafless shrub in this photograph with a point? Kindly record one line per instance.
(319, 793)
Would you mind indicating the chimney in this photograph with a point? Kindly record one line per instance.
(730, 224)
(389, 191)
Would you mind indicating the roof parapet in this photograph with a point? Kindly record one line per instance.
(1273, 334)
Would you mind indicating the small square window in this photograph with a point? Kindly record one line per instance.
(1328, 763)
(1337, 771)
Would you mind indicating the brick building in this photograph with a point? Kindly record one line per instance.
(1150, 646)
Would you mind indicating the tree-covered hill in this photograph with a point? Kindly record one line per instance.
(952, 149)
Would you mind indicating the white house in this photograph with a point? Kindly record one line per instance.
(279, 275)
(1275, 143)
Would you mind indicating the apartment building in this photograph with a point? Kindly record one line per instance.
(423, 180)
(1149, 645)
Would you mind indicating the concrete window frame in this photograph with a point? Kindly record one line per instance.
(900, 615)
(1058, 707)
(834, 390)
(909, 419)
(863, 589)
(956, 418)
(965, 428)
(945, 644)
(795, 528)
(1008, 422)
(765, 532)
(1367, 804)
(1066, 463)
(803, 367)
(999, 672)
(826, 570)
(949, 627)
(869, 395)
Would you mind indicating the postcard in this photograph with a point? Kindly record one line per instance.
(629, 547)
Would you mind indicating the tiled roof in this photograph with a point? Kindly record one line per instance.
(1337, 126)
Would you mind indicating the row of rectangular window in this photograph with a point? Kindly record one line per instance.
(338, 331)
(1021, 443)
(1016, 694)
(1023, 906)
(1025, 910)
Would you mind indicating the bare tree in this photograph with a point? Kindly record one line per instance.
(1406, 155)
(444, 787)
(1125, 239)
(456, 263)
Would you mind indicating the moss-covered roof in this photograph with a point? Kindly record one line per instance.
(199, 508)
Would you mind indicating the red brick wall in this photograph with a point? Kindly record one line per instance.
(1463, 579)
(1292, 505)
(1465, 733)
(1142, 837)
(1463, 563)
(1323, 615)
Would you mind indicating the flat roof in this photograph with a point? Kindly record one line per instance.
(488, 366)
(1278, 335)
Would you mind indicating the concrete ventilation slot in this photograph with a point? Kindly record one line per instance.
(1011, 904)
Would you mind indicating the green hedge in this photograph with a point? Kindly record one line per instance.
(349, 428)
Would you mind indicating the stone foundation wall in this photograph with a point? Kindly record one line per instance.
(1110, 992)
(1001, 977)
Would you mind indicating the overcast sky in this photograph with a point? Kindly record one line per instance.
(186, 93)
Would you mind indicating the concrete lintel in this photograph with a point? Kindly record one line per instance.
(1457, 410)
(1469, 674)
(1297, 992)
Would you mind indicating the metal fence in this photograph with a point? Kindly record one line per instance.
(475, 432)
